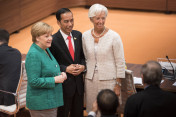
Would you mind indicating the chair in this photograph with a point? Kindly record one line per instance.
(20, 95)
(127, 89)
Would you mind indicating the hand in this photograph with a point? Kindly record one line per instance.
(79, 69)
(95, 107)
(75, 69)
(117, 89)
(61, 78)
(71, 69)
(64, 75)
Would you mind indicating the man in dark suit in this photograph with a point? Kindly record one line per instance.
(67, 49)
(107, 103)
(10, 67)
(152, 101)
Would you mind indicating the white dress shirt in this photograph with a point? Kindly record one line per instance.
(66, 40)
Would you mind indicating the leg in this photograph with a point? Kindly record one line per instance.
(77, 106)
(64, 111)
(60, 111)
(91, 91)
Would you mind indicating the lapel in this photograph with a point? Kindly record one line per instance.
(76, 45)
(91, 45)
(62, 43)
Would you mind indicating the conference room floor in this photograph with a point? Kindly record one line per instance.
(146, 35)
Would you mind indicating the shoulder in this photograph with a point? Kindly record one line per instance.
(33, 52)
(75, 32)
(113, 34)
(137, 97)
(10, 49)
(33, 57)
(169, 95)
(17, 51)
(56, 35)
(10, 52)
(87, 33)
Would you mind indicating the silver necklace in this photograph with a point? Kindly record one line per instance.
(100, 34)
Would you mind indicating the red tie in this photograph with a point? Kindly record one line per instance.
(70, 46)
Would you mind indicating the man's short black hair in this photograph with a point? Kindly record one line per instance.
(4, 36)
(107, 102)
(60, 12)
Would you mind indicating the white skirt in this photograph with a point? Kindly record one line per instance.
(94, 86)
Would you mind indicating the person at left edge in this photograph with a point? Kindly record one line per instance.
(72, 64)
(10, 69)
(44, 89)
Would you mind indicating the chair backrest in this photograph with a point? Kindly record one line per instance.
(21, 90)
(20, 95)
(127, 89)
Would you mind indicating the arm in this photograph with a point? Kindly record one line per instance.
(82, 53)
(117, 88)
(120, 63)
(33, 69)
(119, 57)
(94, 110)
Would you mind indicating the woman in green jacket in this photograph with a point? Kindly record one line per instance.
(44, 89)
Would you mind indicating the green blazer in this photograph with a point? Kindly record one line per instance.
(42, 91)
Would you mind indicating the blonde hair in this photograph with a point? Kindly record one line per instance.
(39, 29)
(97, 9)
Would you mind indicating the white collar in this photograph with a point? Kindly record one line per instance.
(65, 35)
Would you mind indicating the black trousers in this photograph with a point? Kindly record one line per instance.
(73, 106)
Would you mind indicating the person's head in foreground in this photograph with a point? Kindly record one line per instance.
(107, 102)
(151, 73)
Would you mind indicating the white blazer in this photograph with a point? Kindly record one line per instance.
(110, 56)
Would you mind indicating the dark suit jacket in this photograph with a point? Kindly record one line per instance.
(152, 102)
(10, 67)
(60, 51)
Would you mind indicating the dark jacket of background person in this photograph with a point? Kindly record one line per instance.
(10, 68)
(152, 101)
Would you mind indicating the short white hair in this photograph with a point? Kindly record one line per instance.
(96, 9)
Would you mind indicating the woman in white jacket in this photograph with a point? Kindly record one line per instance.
(104, 55)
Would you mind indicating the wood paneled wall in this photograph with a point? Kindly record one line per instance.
(33, 10)
(9, 15)
(132, 4)
(16, 14)
(171, 5)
